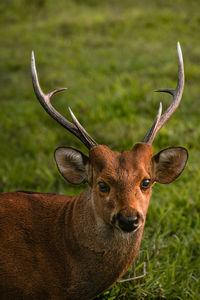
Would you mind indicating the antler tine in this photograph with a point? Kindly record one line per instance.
(82, 130)
(44, 100)
(177, 95)
(154, 126)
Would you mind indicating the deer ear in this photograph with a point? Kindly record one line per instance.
(169, 164)
(72, 164)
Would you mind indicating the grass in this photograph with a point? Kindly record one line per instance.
(111, 55)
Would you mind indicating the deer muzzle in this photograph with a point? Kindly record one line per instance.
(128, 220)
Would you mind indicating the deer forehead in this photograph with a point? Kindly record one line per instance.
(120, 166)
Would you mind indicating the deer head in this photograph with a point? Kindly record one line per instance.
(120, 182)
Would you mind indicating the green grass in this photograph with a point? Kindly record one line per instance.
(111, 55)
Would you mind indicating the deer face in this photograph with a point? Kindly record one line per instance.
(121, 182)
(118, 185)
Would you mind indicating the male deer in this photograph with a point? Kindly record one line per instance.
(62, 247)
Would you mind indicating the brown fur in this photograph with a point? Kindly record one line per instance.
(59, 247)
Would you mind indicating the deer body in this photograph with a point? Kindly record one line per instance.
(60, 247)
(76, 247)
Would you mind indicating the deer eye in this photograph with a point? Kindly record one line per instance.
(103, 187)
(145, 184)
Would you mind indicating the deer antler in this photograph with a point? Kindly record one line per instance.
(77, 129)
(177, 95)
(44, 100)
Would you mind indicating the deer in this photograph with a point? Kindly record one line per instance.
(76, 247)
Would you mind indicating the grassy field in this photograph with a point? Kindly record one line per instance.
(111, 55)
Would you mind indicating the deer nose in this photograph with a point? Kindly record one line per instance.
(128, 223)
